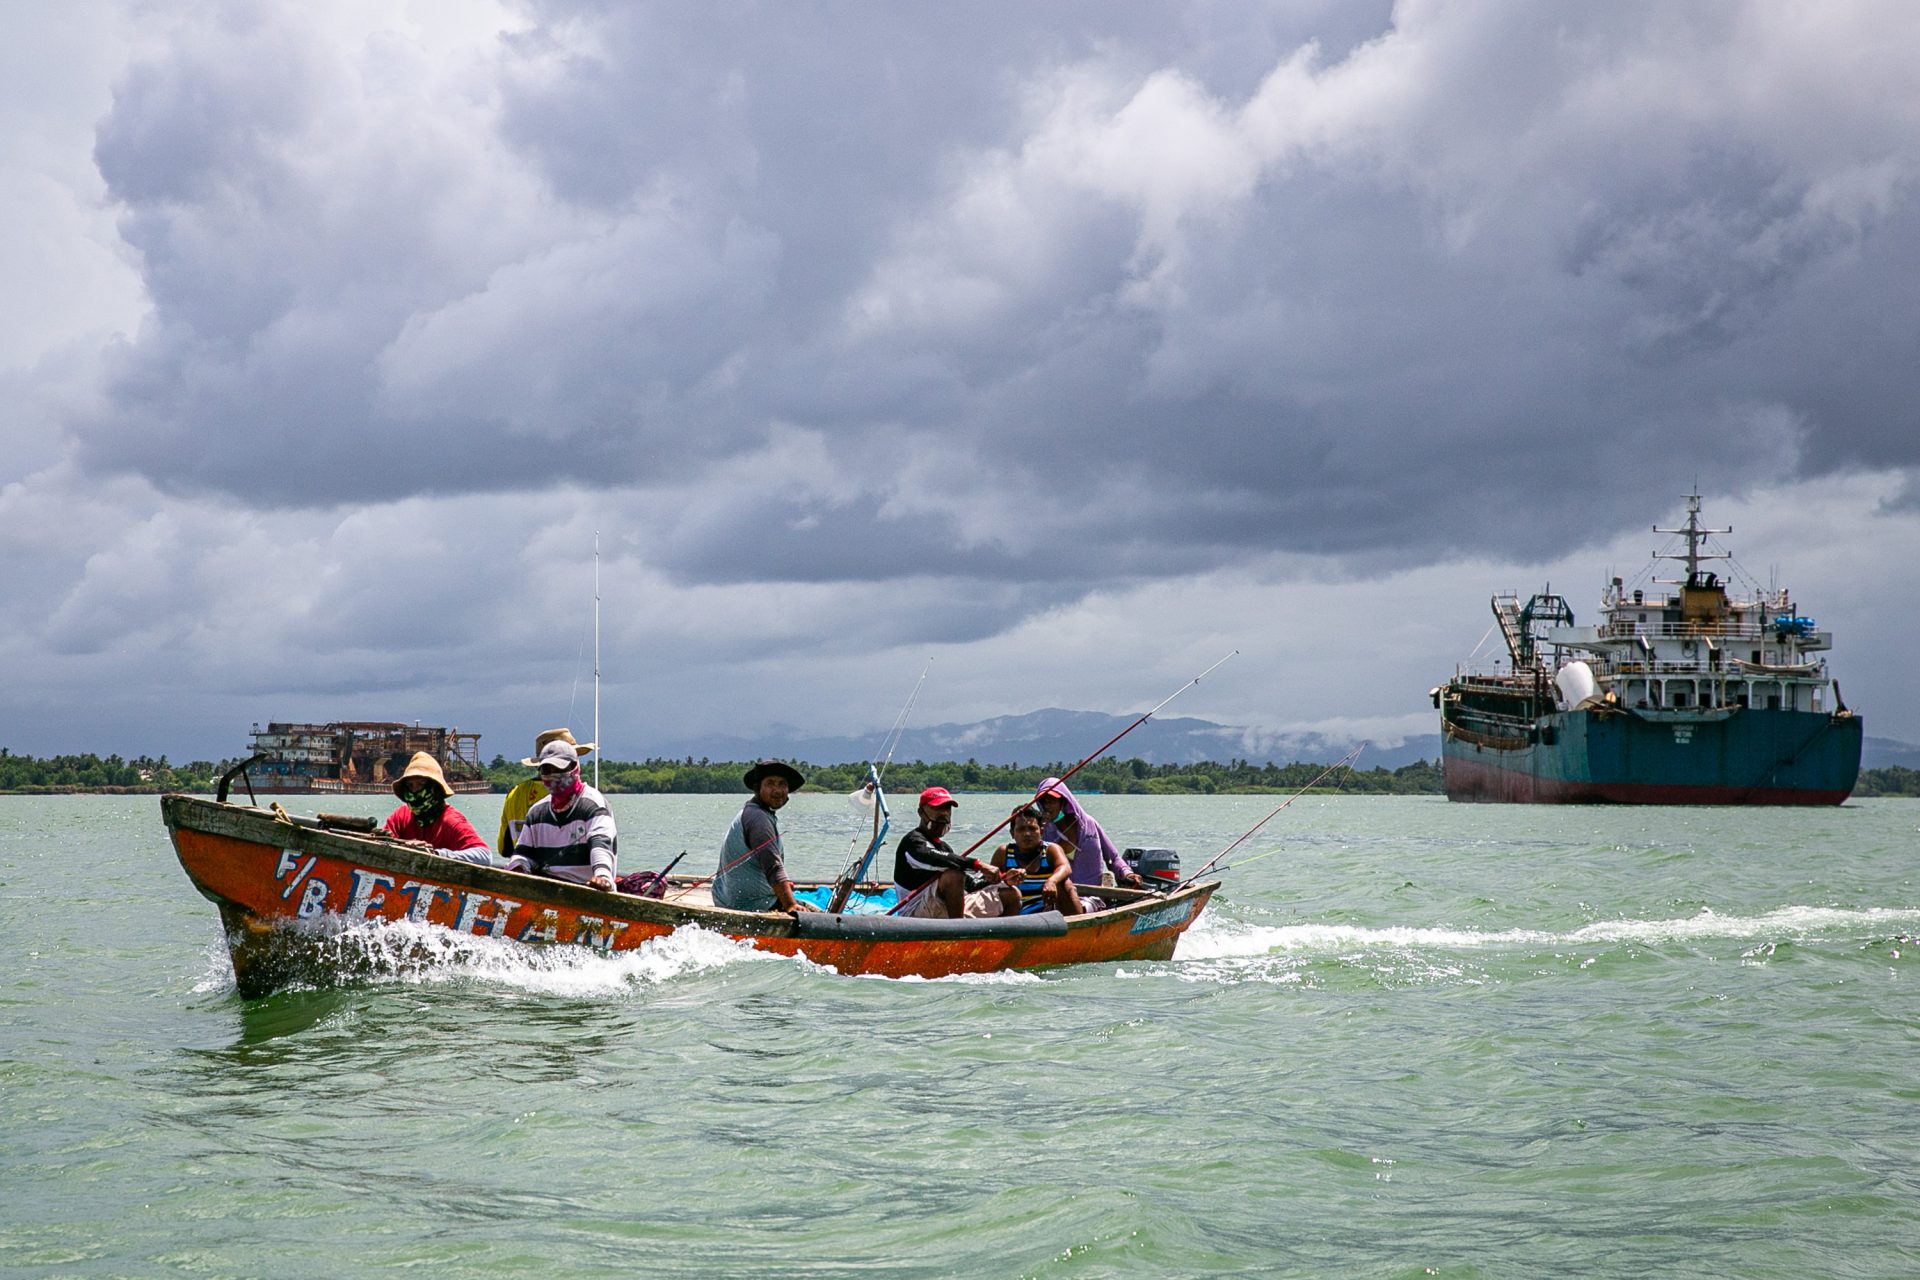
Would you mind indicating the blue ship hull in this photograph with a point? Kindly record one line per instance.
(1724, 756)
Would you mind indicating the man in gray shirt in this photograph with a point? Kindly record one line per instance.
(753, 867)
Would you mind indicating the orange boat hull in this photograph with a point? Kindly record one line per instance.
(284, 885)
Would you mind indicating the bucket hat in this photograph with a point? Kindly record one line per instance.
(423, 765)
(770, 766)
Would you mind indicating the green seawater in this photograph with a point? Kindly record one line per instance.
(1409, 1038)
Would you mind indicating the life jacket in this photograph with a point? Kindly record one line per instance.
(1032, 897)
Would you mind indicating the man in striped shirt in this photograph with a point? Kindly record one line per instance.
(569, 834)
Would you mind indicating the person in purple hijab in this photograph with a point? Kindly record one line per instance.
(1070, 826)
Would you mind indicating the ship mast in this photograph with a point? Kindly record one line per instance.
(598, 750)
(1696, 538)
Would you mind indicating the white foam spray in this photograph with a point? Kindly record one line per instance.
(1215, 937)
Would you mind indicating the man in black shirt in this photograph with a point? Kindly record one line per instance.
(926, 865)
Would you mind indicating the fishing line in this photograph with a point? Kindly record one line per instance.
(1344, 763)
(892, 740)
(872, 795)
(730, 866)
(1102, 750)
(1084, 763)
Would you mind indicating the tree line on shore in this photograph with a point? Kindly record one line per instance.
(108, 775)
(1114, 777)
(21, 774)
(24, 774)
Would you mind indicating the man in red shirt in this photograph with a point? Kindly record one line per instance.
(425, 818)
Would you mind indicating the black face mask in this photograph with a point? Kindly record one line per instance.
(426, 803)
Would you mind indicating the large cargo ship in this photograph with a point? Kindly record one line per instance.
(1689, 696)
(357, 757)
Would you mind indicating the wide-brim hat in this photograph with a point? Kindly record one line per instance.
(555, 735)
(770, 767)
(423, 765)
(557, 755)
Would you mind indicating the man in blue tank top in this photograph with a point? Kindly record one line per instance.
(1044, 867)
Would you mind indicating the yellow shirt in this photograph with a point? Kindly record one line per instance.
(513, 812)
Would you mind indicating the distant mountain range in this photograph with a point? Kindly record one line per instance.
(1057, 735)
(1889, 753)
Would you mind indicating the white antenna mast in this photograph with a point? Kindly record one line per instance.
(598, 750)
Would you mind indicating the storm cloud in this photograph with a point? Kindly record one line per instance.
(1076, 342)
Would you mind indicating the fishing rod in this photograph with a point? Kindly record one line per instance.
(882, 820)
(695, 884)
(1343, 762)
(1102, 750)
(649, 884)
(966, 865)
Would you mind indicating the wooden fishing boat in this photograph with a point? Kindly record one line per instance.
(285, 885)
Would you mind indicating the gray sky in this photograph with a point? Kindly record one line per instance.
(1070, 346)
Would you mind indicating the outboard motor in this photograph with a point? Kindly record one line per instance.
(1158, 869)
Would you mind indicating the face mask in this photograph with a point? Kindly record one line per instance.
(562, 787)
(425, 802)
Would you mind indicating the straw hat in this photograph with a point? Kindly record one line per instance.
(555, 735)
(423, 765)
(557, 755)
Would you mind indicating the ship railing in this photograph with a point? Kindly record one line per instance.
(1501, 680)
(1685, 630)
(1659, 669)
(1749, 632)
(1736, 670)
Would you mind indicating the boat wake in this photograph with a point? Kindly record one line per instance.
(1217, 947)
(1219, 938)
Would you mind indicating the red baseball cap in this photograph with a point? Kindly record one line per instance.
(937, 796)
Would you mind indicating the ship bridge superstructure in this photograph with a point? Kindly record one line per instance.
(1690, 644)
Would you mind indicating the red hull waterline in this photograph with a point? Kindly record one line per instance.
(286, 887)
(1477, 781)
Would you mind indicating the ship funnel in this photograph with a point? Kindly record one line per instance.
(1575, 683)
